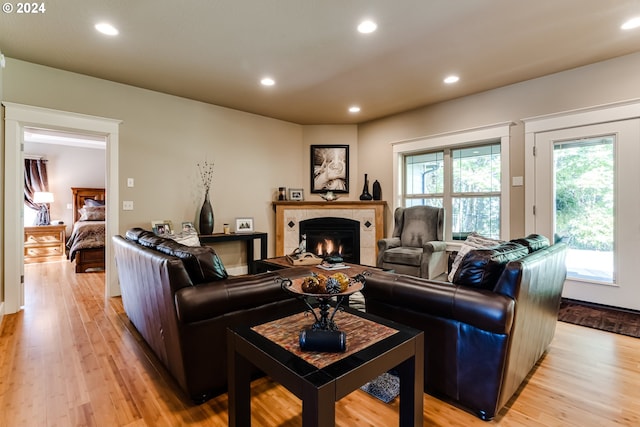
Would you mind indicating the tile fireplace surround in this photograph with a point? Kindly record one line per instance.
(370, 214)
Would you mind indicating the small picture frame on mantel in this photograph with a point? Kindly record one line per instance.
(296, 194)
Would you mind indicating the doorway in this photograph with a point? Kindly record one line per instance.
(17, 117)
(584, 193)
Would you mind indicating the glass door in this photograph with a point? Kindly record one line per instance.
(587, 194)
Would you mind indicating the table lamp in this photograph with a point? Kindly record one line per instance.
(43, 198)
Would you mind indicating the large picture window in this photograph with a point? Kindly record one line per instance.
(473, 192)
(464, 172)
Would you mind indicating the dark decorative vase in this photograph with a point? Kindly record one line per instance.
(206, 216)
(377, 190)
(365, 191)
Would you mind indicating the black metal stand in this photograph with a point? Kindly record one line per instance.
(324, 321)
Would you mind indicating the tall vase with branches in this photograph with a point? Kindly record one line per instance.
(206, 212)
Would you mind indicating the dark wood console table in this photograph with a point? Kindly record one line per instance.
(249, 238)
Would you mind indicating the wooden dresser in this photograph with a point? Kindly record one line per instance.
(44, 243)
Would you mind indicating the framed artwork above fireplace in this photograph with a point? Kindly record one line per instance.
(329, 168)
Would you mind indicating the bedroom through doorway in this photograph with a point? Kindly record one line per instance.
(68, 160)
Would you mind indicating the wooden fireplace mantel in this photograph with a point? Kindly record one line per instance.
(369, 213)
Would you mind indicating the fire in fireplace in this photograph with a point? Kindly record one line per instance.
(329, 236)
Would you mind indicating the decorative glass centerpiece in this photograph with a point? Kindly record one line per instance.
(323, 289)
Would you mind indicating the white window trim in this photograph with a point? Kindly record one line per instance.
(479, 135)
(616, 111)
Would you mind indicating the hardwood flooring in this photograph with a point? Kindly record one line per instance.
(71, 358)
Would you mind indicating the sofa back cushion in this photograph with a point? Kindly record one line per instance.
(201, 262)
(473, 241)
(481, 268)
(533, 242)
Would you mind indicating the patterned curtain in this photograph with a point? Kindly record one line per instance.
(35, 179)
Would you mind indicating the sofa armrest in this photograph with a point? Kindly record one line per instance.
(435, 246)
(480, 308)
(388, 243)
(209, 300)
(385, 244)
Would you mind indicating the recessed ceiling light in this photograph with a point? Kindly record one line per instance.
(631, 23)
(107, 29)
(267, 81)
(354, 109)
(367, 27)
(451, 79)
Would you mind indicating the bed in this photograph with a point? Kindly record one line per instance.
(86, 243)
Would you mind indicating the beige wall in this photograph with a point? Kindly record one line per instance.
(163, 137)
(601, 83)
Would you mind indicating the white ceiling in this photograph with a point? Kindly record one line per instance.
(216, 51)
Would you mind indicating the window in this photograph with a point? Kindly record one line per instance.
(465, 172)
(474, 178)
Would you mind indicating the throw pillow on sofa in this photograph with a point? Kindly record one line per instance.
(201, 262)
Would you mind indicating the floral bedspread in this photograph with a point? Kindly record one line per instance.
(86, 235)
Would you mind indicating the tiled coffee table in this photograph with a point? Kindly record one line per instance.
(374, 346)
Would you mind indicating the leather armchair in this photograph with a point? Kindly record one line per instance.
(416, 247)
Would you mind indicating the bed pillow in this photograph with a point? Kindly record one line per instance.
(94, 202)
(92, 213)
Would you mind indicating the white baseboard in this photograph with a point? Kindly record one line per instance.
(1, 312)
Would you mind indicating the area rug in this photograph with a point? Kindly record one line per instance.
(386, 387)
(605, 318)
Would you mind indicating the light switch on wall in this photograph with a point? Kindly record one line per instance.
(127, 205)
(129, 182)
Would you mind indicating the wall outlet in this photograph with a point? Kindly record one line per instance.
(127, 205)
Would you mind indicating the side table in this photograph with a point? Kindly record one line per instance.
(319, 387)
(44, 243)
(248, 238)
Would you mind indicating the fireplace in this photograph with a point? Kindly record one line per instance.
(369, 214)
(329, 236)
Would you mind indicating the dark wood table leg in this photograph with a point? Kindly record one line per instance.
(319, 405)
(411, 373)
(239, 384)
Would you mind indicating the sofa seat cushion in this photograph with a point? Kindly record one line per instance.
(481, 268)
(403, 255)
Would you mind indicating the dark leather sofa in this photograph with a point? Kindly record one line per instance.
(485, 331)
(181, 301)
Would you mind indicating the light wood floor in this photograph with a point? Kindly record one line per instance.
(70, 358)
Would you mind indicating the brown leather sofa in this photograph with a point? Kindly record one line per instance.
(485, 331)
(181, 301)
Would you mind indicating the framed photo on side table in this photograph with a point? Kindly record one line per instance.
(163, 226)
(296, 194)
(244, 225)
(329, 168)
(162, 229)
